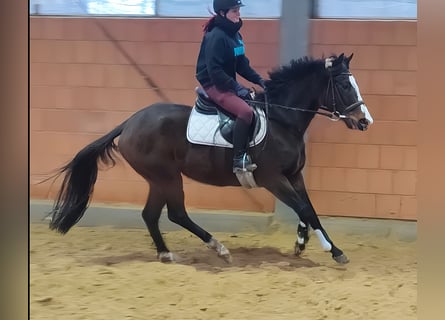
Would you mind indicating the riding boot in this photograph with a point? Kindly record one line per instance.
(241, 160)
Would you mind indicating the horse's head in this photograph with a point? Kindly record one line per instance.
(343, 97)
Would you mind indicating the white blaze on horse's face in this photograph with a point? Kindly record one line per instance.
(363, 107)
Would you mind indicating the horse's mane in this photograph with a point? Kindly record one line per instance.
(282, 77)
(296, 69)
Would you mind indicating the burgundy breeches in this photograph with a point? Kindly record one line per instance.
(231, 103)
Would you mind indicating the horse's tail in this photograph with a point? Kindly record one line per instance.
(77, 187)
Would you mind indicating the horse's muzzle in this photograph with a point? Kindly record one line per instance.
(363, 124)
(358, 117)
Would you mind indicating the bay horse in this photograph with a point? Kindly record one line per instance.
(153, 142)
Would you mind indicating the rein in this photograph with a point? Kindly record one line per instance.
(331, 115)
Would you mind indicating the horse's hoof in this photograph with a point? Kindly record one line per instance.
(220, 249)
(166, 257)
(341, 259)
(224, 253)
(227, 257)
(298, 249)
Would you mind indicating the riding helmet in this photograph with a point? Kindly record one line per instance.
(225, 5)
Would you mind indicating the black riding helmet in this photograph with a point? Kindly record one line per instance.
(225, 5)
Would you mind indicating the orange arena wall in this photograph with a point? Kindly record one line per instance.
(373, 173)
(82, 86)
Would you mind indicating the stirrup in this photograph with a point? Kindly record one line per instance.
(247, 168)
(243, 164)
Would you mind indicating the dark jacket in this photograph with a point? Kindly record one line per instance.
(222, 56)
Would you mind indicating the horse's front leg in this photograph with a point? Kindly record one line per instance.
(308, 218)
(302, 238)
(293, 193)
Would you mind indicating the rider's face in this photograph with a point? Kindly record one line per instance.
(233, 14)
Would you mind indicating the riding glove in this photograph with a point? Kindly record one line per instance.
(242, 92)
(262, 83)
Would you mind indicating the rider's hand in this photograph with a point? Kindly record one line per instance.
(262, 83)
(242, 92)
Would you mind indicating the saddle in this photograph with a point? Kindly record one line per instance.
(211, 125)
(205, 106)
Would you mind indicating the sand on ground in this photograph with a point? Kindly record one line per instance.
(113, 273)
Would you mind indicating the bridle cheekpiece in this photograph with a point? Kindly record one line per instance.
(334, 114)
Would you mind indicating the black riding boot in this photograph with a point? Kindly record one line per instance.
(241, 160)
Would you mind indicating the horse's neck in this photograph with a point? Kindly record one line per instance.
(295, 119)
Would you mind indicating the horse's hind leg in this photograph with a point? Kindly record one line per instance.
(151, 214)
(178, 214)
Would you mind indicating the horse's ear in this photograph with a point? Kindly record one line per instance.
(339, 59)
(348, 59)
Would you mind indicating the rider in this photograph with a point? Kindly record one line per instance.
(221, 56)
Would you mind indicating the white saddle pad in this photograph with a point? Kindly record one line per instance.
(203, 129)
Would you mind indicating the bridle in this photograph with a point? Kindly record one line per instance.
(333, 115)
(336, 115)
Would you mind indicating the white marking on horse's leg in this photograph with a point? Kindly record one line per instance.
(363, 106)
(220, 249)
(300, 240)
(166, 256)
(326, 245)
